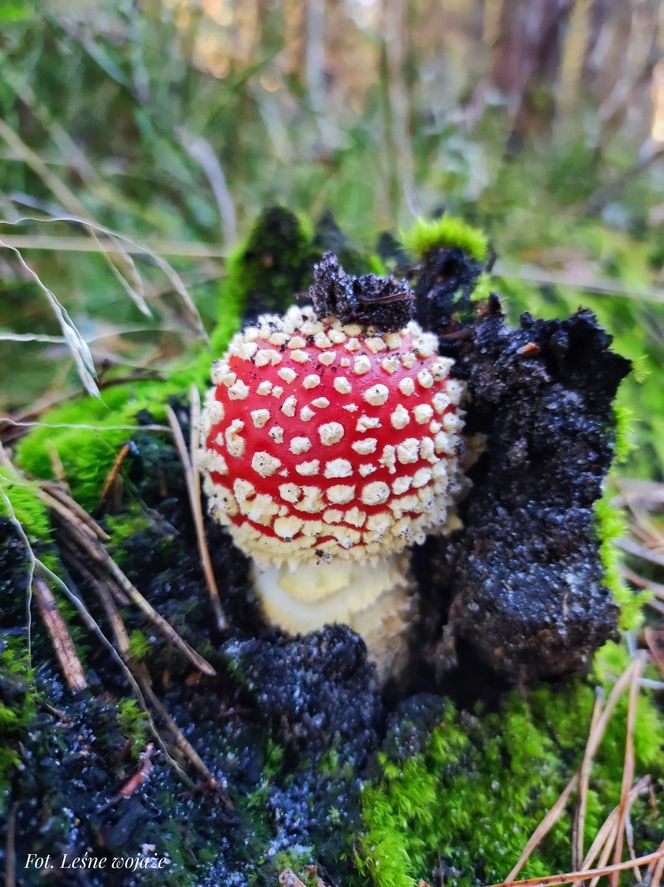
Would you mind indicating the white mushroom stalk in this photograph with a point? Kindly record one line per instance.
(329, 449)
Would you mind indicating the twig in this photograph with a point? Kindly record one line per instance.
(140, 776)
(91, 624)
(61, 639)
(572, 877)
(192, 476)
(628, 768)
(98, 553)
(73, 506)
(584, 776)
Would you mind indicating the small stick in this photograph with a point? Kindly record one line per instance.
(144, 770)
(572, 877)
(192, 476)
(112, 474)
(62, 496)
(58, 632)
(56, 505)
(628, 768)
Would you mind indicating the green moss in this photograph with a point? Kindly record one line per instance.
(139, 645)
(134, 725)
(28, 508)
(483, 784)
(482, 288)
(624, 431)
(446, 231)
(17, 708)
(610, 526)
(87, 437)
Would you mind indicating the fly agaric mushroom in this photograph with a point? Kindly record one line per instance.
(330, 444)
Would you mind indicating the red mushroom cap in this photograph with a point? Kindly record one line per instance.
(329, 440)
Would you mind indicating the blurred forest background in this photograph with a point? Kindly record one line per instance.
(173, 123)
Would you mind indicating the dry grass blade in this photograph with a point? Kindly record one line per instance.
(99, 428)
(609, 825)
(190, 310)
(584, 777)
(57, 187)
(77, 345)
(656, 870)
(641, 582)
(594, 739)
(628, 768)
(192, 476)
(63, 645)
(132, 286)
(607, 848)
(53, 243)
(574, 877)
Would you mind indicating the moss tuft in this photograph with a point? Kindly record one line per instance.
(28, 508)
(446, 231)
(134, 725)
(610, 526)
(17, 707)
(483, 783)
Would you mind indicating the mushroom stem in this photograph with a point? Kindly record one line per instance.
(374, 598)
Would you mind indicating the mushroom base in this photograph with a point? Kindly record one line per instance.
(375, 600)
